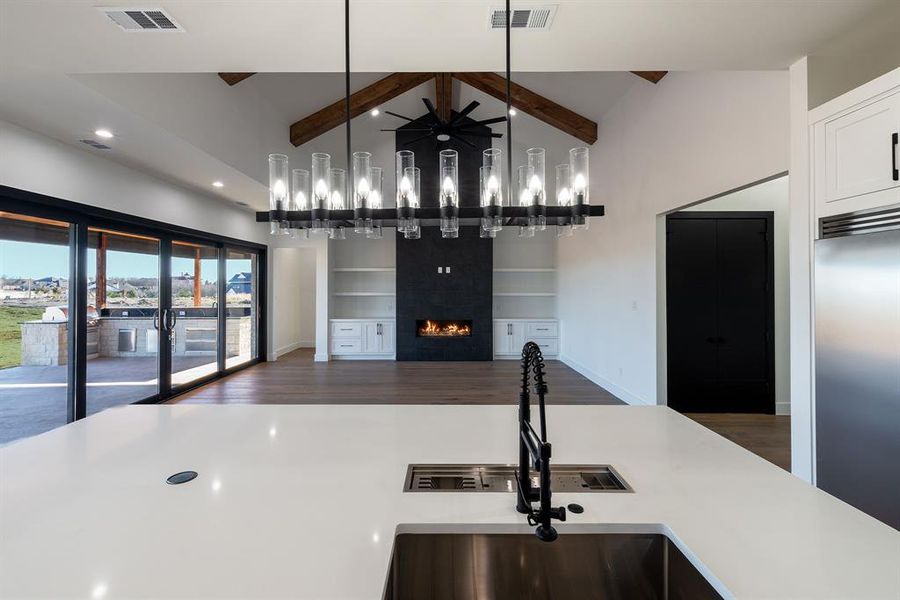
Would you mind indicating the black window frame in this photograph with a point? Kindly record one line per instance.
(80, 217)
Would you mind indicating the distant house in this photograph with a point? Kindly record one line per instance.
(242, 283)
(49, 282)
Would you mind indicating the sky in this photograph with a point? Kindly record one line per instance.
(22, 260)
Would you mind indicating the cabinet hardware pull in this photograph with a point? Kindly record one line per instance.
(894, 139)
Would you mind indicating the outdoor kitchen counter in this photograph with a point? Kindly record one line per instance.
(304, 501)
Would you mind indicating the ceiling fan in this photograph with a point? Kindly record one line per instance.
(454, 128)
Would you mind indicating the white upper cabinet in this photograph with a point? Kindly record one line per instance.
(855, 155)
(860, 150)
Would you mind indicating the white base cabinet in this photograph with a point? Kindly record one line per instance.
(362, 339)
(511, 334)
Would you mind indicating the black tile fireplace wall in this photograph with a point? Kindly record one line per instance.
(464, 293)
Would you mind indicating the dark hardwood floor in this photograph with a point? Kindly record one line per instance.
(296, 379)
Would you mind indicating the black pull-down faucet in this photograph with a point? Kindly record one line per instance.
(534, 451)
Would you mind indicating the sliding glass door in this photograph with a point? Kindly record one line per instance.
(192, 318)
(242, 304)
(99, 309)
(34, 306)
(123, 308)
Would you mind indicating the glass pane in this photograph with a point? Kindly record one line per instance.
(195, 301)
(123, 310)
(34, 301)
(241, 302)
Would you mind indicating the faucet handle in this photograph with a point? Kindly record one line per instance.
(558, 513)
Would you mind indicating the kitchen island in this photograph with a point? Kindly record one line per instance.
(305, 501)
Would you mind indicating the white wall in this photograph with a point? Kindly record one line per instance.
(295, 299)
(767, 196)
(692, 136)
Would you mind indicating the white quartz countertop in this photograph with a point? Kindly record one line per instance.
(304, 501)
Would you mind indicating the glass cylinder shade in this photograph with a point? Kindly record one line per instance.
(338, 186)
(537, 188)
(448, 161)
(278, 188)
(579, 166)
(375, 202)
(404, 159)
(411, 178)
(300, 188)
(491, 190)
(525, 199)
(321, 190)
(362, 190)
(563, 198)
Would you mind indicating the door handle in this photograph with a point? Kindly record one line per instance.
(894, 139)
(156, 319)
(171, 319)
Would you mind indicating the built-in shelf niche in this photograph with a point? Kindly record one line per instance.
(362, 281)
(524, 278)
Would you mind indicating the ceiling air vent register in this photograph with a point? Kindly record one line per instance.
(532, 17)
(142, 19)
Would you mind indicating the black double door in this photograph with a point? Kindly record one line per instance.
(719, 305)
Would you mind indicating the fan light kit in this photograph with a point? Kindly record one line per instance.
(320, 200)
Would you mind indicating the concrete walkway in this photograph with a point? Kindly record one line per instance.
(33, 399)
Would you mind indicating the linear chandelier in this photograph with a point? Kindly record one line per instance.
(323, 201)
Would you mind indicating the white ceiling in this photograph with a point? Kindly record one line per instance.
(72, 36)
(66, 70)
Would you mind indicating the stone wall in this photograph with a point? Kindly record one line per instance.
(44, 344)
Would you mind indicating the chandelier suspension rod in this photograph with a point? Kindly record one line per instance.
(508, 107)
(347, 87)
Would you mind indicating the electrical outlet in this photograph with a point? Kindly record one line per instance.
(440, 270)
(634, 305)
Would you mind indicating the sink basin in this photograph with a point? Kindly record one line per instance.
(582, 566)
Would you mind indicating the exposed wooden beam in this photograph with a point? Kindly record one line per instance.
(364, 100)
(651, 76)
(233, 78)
(443, 87)
(533, 104)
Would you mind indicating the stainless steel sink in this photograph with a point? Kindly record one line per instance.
(502, 478)
(577, 566)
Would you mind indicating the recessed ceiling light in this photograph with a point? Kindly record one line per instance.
(512, 112)
(375, 112)
(104, 133)
(218, 184)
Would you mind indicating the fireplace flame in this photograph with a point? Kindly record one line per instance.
(444, 329)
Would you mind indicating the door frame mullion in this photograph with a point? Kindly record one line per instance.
(76, 352)
(221, 313)
(165, 304)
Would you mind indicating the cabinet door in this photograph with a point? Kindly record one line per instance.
(517, 337)
(859, 150)
(387, 338)
(371, 339)
(501, 337)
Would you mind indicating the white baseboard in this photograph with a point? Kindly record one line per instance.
(288, 348)
(618, 392)
(323, 357)
(782, 408)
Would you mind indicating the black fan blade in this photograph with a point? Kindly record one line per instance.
(402, 129)
(432, 111)
(463, 140)
(480, 123)
(464, 112)
(393, 114)
(480, 135)
(418, 139)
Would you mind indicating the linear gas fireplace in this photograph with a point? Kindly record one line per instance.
(438, 328)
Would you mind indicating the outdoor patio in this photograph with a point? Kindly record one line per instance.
(33, 399)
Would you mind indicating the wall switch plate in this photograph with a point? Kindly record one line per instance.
(447, 269)
(440, 269)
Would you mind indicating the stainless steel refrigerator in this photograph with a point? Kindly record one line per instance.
(857, 396)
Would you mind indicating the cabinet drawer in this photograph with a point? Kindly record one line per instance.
(346, 346)
(346, 330)
(548, 346)
(542, 329)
